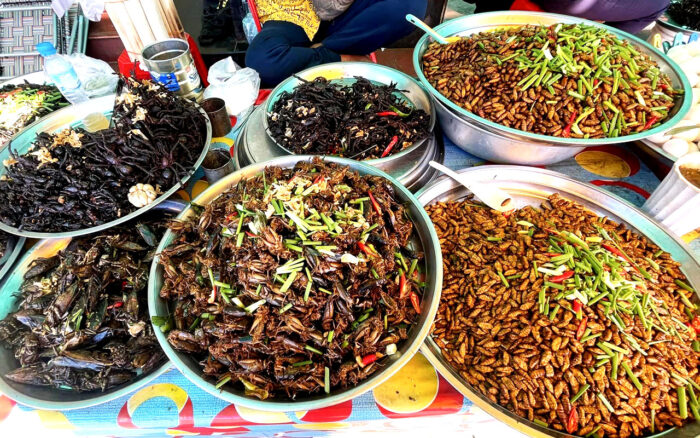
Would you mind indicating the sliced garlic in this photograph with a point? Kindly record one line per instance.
(141, 195)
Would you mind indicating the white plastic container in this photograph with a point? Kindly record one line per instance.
(676, 201)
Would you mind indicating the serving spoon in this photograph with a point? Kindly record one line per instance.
(429, 30)
(491, 196)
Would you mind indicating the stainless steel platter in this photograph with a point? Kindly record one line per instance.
(253, 145)
(12, 251)
(668, 28)
(71, 116)
(484, 138)
(531, 186)
(345, 73)
(426, 240)
(47, 398)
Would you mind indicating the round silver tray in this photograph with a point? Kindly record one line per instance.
(531, 186)
(14, 248)
(503, 135)
(48, 398)
(71, 116)
(425, 238)
(344, 73)
(253, 145)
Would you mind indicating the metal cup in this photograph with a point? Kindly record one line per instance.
(216, 110)
(217, 164)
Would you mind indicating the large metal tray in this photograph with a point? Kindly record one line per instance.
(425, 239)
(488, 21)
(531, 186)
(48, 398)
(253, 145)
(345, 73)
(71, 116)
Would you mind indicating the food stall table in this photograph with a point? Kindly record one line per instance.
(415, 400)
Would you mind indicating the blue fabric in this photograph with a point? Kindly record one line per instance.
(282, 49)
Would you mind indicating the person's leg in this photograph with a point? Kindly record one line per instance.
(628, 15)
(370, 24)
(282, 49)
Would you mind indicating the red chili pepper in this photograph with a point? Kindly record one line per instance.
(249, 234)
(392, 143)
(595, 82)
(615, 251)
(577, 305)
(552, 254)
(212, 297)
(124, 283)
(663, 86)
(581, 328)
(572, 423)
(402, 286)
(116, 305)
(230, 216)
(415, 300)
(567, 129)
(364, 248)
(375, 204)
(562, 277)
(369, 359)
(318, 179)
(387, 113)
(695, 323)
(650, 122)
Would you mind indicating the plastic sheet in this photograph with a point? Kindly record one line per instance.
(237, 86)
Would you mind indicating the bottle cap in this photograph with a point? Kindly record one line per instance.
(46, 49)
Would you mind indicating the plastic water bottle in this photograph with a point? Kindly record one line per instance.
(249, 27)
(63, 75)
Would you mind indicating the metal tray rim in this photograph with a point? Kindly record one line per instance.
(12, 256)
(432, 352)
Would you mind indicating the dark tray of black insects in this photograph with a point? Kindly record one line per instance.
(357, 110)
(411, 169)
(64, 213)
(100, 329)
(682, 16)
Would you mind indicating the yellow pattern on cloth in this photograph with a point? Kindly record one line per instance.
(299, 12)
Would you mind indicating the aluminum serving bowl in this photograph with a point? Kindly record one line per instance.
(71, 117)
(668, 28)
(495, 142)
(426, 238)
(48, 398)
(344, 73)
(531, 186)
(14, 249)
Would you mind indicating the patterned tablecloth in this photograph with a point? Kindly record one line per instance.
(415, 400)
